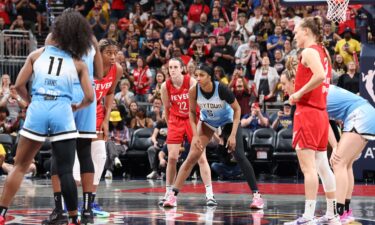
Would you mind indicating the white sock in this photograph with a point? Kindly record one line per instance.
(309, 209)
(168, 188)
(331, 207)
(209, 192)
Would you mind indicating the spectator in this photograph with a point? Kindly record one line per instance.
(18, 124)
(171, 34)
(13, 102)
(249, 55)
(133, 110)
(215, 17)
(198, 50)
(4, 16)
(191, 67)
(179, 25)
(275, 42)
(84, 6)
(235, 40)
(120, 58)
(350, 80)
(98, 24)
(202, 28)
(222, 28)
(220, 75)
(156, 86)
(348, 46)
(132, 52)
(222, 55)
(156, 111)
(27, 9)
(254, 19)
(279, 63)
(289, 51)
(102, 8)
(158, 138)
(156, 58)
(3, 26)
(113, 33)
(195, 10)
(330, 38)
(138, 17)
(5, 123)
(284, 118)
(125, 96)
(286, 32)
(243, 27)
(160, 11)
(243, 94)
(256, 119)
(18, 45)
(4, 85)
(338, 68)
(266, 79)
(117, 144)
(117, 9)
(141, 120)
(142, 80)
(232, 31)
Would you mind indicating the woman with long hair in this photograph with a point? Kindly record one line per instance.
(142, 80)
(311, 123)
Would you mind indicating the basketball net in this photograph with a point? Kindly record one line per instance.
(337, 10)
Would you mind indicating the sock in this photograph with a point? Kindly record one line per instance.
(57, 197)
(93, 195)
(3, 211)
(256, 192)
(209, 192)
(86, 200)
(175, 190)
(73, 219)
(331, 207)
(168, 188)
(309, 209)
(340, 208)
(347, 203)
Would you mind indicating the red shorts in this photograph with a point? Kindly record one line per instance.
(99, 121)
(310, 128)
(177, 129)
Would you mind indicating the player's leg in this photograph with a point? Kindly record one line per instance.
(204, 134)
(205, 172)
(349, 213)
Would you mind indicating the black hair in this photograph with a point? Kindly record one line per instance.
(72, 33)
(4, 109)
(206, 68)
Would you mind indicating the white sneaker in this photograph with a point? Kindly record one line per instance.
(335, 220)
(301, 221)
(118, 162)
(152, 175)
(108, 175)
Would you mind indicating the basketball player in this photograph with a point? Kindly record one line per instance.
(174, 94)
(218, 108)
(85, 123)
(104, 90)
(50, 113)
(321, 161)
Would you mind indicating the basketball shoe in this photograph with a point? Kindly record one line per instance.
(2, 220)
(301, 221)
(57, 217)
(211, 201)
(98, 211)
(87, 216)
(171, 200)
(335, 220)
(258, 202)
(349, 215)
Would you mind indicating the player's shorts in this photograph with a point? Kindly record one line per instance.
(310, 128)
(99, 122)
(52, 120)
(361, 121)
(85, 118)
(177, 129)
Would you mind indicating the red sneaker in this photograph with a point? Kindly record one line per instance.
(2, 220)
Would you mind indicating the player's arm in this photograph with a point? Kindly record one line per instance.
(86, 85)
(311, 59)
(193, 109)
(25, 74)
(165, 100)
(98, 61)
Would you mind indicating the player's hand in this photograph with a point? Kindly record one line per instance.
(231, 143)
(76, 107)
(196, 142)
(334, 157)
(163, 163)
(104, 129)
(155, 144)
(295, 98)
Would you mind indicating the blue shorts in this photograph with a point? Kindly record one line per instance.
(85, 118)
(52, 120)
(361, 121)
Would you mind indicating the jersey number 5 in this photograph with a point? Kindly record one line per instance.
(52, 60)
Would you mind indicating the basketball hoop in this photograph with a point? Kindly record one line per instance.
(337, 10)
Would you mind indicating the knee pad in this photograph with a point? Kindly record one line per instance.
(84, 155)
(99, 157)
(325, 173)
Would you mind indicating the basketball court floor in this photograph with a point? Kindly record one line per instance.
(136, 202)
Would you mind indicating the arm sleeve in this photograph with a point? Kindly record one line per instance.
(226, 94)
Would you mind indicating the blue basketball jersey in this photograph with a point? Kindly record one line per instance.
(214, 111)
(54, 74)
(340, 102)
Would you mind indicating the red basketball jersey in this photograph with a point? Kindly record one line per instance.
(179, 98)
(102, 87)
(316, 98)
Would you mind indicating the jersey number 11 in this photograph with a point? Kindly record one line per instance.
(52, 60)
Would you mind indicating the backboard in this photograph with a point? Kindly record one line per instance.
(321, 2)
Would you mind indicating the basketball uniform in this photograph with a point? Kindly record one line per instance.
(356, 112)
(101, 89)
(178, 121)
(85, 118)
(310, 129)
(214, 111)
(50, 114)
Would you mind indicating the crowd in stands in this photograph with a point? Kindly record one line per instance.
(247, 43)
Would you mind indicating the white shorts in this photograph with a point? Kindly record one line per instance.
(362, 121)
